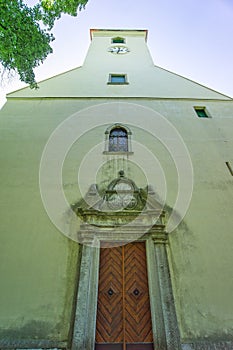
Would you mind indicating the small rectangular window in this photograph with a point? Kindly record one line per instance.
(202, 112)
(229, 168)
(117, 79)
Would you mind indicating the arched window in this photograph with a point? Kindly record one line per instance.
(118, 140)
(118, 40)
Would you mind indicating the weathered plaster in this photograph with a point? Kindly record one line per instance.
(38, 264)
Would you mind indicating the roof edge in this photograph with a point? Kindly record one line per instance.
(226, 97)
(94, 30)
(41, 81)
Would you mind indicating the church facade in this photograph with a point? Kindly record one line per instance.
(116, 210)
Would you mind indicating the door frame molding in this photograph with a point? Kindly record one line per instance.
(164, 322)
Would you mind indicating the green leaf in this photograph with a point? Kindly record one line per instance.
(24, 45)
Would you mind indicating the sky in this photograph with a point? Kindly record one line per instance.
(193, 38)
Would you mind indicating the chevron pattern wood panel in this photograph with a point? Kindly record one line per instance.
(138, 326)
(109, 324)
(123, 314)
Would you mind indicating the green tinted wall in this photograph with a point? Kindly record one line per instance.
(39, 265)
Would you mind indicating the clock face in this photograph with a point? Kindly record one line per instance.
(118, 49)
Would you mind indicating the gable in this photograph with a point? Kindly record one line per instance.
(154, 82)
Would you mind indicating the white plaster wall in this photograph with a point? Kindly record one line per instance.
(145, 79)
(38, 263)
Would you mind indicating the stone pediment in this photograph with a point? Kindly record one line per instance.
(120, 204)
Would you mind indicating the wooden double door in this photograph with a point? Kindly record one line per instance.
(123, 311)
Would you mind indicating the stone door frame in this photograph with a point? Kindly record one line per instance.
(164, 322)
